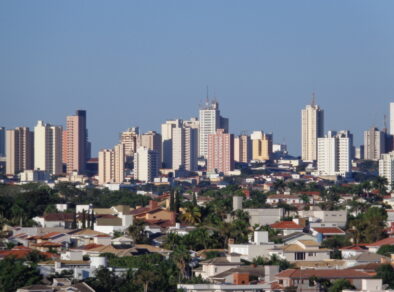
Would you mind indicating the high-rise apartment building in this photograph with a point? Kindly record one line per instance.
(76, 145)
(261, 146)
(111, 165)
(146, 164)
(374, 144)
(184, 148)
(129, 139)
(166, 136)
(19, 150)
(242, 149)
(334, 153)
(210, 120)
(312, 127)
(220, 152)
(386, 167)
(48, 148)
(152, 141)
(2, 141)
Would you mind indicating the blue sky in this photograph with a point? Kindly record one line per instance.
(142, 62)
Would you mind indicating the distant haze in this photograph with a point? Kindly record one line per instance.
(138, 63)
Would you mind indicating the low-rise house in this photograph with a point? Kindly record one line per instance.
(282, 198)
(321, 218)
(88, 236)
(64, 220)
(295, 236)
(303, 279)
(325, 232)
(259, 247)
(374, 247)
(59, 285)
(353, 250)
(365, 258)
(371, 285)
(21, 252)
(210, 268)
(287, 227)
(302, 250)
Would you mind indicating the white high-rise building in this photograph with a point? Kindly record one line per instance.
(166, 136)
(334, 153)
(210, 121)
(146, 164)
(184, 148)
(312, 128)
(374, 144)
(48, 148)
(111, 164)
(386, 168)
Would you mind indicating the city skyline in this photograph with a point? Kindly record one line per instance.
(160, 62)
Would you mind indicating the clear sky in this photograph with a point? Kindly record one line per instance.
(142, 62)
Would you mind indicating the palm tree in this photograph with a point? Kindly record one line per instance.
(181, 257)
(137, 230)
(279, 185)
(192, 215)
(145, 277)
(380, 184)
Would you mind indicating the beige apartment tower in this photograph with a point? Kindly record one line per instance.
(374, 144)
(261, 146)
(48, 148)
(152, 141)
(184, 148)
(312, 127)
(111, 165)
(242, 149)
(220, 152)
(19, 150)
(129, 139)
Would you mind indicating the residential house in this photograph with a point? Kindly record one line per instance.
(214, 266)
(302, 250)
(287, 227)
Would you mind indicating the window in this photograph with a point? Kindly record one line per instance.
(299, 256)
(310, 254)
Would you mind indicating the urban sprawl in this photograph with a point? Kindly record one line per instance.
(195, 208)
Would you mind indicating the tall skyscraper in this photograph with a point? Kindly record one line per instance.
(334, 153)
(210, 121)
(312, 127)
(386, 167)
(111, 165)
(261, 145)
(76, 133)
(184, 148)
(220, 152)
(129, 139)
(242, 149)
(19, 150)
(152, 141)
(2, 141)
(374, 144)
(48, 148)
(166, 135)
(146, 164)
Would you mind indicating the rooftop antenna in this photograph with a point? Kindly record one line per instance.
(313, 104)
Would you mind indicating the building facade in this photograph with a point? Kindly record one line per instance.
(386, 167)
(261, 146)
(220, 152)
(210, 121)
(184, 148)
(167, 141)
(374, 144)
(242, 149)
(48, 142)
(2, 142)
(146, 164)
(312, 128)
(76, 142)
(19, 150)
(151, 140)
(111, 164)
(129, 139)
(334, 153)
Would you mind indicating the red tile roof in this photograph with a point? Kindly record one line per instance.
(323, 273)
(59, 217)
(50, 235)
(286, 225)
(47, 244)
(386, 241)
(20, 253)
(360, 247)
(329, 230)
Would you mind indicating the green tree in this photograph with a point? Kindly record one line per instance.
(386, 273)
(145, 277)
(181, 258)
(15, 274)
(192, 215)
(137, 231)
(341, 284)
(386, 250)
